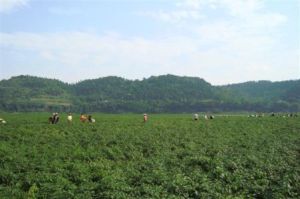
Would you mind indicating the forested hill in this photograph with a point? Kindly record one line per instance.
(167, 93)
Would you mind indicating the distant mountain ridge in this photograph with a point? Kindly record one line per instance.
(165, 93)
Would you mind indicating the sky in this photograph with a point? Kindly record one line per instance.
(222, 41)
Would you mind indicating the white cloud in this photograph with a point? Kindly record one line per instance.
(237, 56)
(175, 16)
(64, 11)
(78, 48)
(232, 48)
(247, 12)
(9, 5)
(239, 37)
(242, 8)
(193, 4)
(236, 7)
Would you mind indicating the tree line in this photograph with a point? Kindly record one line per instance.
(166, 93)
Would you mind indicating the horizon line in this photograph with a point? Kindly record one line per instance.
(145, 78)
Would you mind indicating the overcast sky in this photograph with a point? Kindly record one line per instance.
(222, 41)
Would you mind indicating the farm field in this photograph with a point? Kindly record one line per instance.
(170, 156)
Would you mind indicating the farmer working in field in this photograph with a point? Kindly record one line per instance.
(2, 121)
(51, 119)
(196, 116)
(54, 119)
(83, 117)
(145, 117)
(90, 119)
(70, 118)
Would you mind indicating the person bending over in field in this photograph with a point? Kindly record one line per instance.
(82, 118)
(2, 121)
(196, 116)
(90, 119)
(52, 118)
(69, 118)
(56, 118)
(145, 117)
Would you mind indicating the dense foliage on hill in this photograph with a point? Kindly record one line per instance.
(167, 93)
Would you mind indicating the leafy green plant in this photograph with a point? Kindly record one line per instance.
(170, 156)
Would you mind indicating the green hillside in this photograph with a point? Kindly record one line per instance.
(27, 93)
(166, 93)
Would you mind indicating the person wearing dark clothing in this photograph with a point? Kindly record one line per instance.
(53, 118)
(56, 119)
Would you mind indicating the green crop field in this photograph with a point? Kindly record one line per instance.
(170, 156)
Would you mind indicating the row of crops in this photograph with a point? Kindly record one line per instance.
(170, 156)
